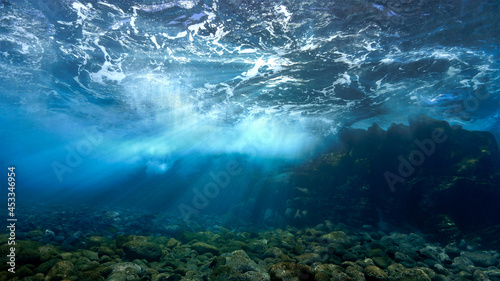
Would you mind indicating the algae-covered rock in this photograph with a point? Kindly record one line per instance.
(90, 276)
(273, 252)
(287, 271)
(395, 270)
(28, 252)
(102, 251)
(250, 276)
(84, 264)
(374, 273)
(62, 270)
(124, 266)
(240, 262)
(413, 274)
(48, 252)
(173, 243)
(481, 258)
(91, 255)
(411, 173)
(96, 241)
(327, 268)
(220, 273)
(382, 262)
(335, 236)
(24, 271)
(121, 276)
(104, 271)
(355, 273)
(203, 248)
(308, 258)
(35, 234)
(142, 250)
(321, 276)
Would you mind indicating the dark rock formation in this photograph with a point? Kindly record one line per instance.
(443, 179)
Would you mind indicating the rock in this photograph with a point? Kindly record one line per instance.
(203, 248)
(96, 241)
(273, 252)
(173, 243)
(66, 256)
(24, 271)
(382, 262)
(350, 257)
(105, 251)
(257, 247)
(250, 276)
(123, 266)
(440, 269)
(394, 270)
(340, 276)
(308, 258)
(400, 273)
(125, 271)
(462, 263)
(93, 256)
(84, 264)
(376, 252)
(28, 252)
(479, 276)
(430, 252)
(220, 273)
(46, 266)
(336, 249)
(414, 274)
(327, 268)
(104, 271)
(240, 262)
(452, 251)
(71, 241)
(47, 252)
(355, 274)
(36, 234)
(321, 276)
(287, 271)
(481, 258)
(59, 238)
(121, 276)
(90, 276)
(38, 276)
(62, 270)
(456, 171)
(400, 257)
(49, 234)
(142, 250)
(374, 273)
(335, 236)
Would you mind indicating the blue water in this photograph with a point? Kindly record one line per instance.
(145, 103)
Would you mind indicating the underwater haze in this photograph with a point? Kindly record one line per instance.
(139, 96)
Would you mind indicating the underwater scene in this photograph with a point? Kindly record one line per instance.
(250, 140)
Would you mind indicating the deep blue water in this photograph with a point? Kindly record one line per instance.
(145, 103)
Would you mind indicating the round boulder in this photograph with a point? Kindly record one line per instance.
(287, 271)
(142, 250)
